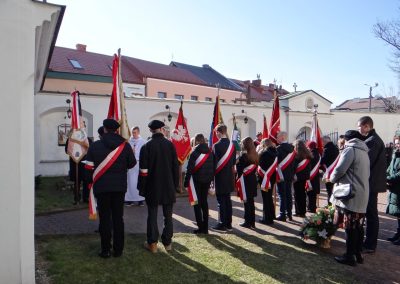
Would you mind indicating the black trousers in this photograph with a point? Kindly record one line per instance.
(152, 226)
(285, 198)
(312, 201)
(225, 209)
(268, 205)
(250, 212)
(372, 228)
(329, 189)
(300, 197)
(111, 215)
(201, 208)
(354, 238)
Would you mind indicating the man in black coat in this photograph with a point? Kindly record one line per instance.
(224, 177)
(285, 149)
(329, 156)
(377, 179)
(157, 183)
(109, 188)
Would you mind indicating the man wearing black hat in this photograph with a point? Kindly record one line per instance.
(158, 180)
(108, 161)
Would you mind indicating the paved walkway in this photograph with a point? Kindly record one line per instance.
(381, 267)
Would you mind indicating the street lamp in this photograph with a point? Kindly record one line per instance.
(69, 111)
(169, 113)
(370, 94)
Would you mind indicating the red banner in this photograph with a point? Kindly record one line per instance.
(180, 137)
(275, 123)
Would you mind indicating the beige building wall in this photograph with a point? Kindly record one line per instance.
(26, 32)
(62, 86)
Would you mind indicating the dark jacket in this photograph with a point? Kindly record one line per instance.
(329, 154)
(205, 174)
(303, 174)
(224, 180)
(377, 158)
(315, 182)
(250, 181)
(159, 160)
(283, 150)
(115, 178)
(393, 179)
(265, 161)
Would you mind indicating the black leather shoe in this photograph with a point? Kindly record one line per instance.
(359, 258)
(281, 218)
(262, 221)
(105, 254)
(346, 259)
(394, 238)
(219, 228)
(245, 225)
(117, 254)
(290, 218)
(198, 231)
(397, 243)
(368, 250)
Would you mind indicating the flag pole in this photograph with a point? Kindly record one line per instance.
(76, 184)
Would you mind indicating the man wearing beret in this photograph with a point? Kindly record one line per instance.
(108, 161)
(158, 180)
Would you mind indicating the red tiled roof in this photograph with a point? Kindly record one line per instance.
(259, 92)
(133, 70)
(361, 103)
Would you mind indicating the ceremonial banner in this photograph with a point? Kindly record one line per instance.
(180, 137)
(235, 137)
(217, 119)
(116, 108)
(275, 123)
(265, 128)
(316, 134)
(78, 143)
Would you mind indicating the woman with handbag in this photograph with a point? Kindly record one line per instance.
(350, 195)
(393, 184)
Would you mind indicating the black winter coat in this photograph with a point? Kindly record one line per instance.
(316, 181)
(329, 154)
(283, 150)
(265, 161)
(250, 181)
(115, 178)
(377, 158)
(224, 180)
(305, 173)
(158, 157)
(205, 174)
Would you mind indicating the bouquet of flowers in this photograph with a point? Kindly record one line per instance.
(319, 226)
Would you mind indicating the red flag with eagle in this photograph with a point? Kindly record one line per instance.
(265, 128)
(180, 137)
(316, 135)
(116, 108)
(275, 123)
(78, 143)
(217, 119)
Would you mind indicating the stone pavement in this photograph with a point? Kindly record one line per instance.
(381, 267)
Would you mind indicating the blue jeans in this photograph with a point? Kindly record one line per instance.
(285, 198)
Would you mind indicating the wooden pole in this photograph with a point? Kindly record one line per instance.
(274, 189)
(76, 197)
(180, 179)
(317, 200)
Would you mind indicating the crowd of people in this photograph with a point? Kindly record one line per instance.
(124, 172)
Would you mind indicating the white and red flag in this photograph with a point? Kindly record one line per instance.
(116, 108)
(275, 123)
(265, 128)
(217, 119)
(316, 133)
(78, 143)
(180, 137)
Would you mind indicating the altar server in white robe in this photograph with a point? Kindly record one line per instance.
(132, 195)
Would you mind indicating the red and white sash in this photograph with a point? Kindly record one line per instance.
(283, 165)
(191, 189)
(240, 185)
(98, 172)
(225, 158)
(313, 174)
(329, 170)
(266, 175)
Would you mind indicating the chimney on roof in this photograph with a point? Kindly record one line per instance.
(81, 47)
(256, 83)
(206, 66)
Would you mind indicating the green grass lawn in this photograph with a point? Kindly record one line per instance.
(50, 197)
(210, 259)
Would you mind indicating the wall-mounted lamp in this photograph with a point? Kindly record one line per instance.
(169, 113)
(69, 111)
(246, 119)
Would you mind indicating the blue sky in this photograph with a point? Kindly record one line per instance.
(327, 46)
